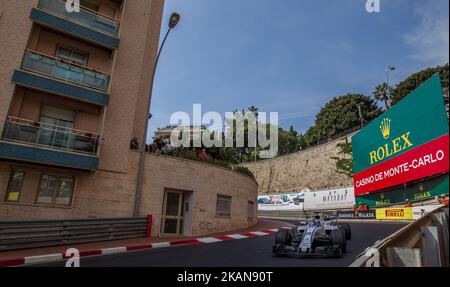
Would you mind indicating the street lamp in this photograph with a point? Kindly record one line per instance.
(173, 21)
(388, 92)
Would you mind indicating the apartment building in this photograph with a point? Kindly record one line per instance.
(74, 88)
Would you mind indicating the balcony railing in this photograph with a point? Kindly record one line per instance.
(67, 71)
(86, 17)
(46, 135)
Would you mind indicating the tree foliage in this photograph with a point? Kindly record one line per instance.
(341, 114)
(344, 164)
(411, 83)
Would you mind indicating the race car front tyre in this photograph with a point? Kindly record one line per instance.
(283, 236)
(338, 238)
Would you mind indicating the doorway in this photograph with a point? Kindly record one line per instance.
(176, 215)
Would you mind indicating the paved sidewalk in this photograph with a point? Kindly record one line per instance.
(93, 248)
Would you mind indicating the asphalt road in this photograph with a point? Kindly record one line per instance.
(251, 252)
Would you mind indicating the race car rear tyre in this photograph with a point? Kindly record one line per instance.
(348, 231)
(283, 236)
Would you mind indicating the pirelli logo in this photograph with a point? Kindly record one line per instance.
(395, 212)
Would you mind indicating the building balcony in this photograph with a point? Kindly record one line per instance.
(50, 74)
(38, 142)
(86, 24)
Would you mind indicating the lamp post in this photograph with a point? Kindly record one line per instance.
(388, 92)
(173, 21)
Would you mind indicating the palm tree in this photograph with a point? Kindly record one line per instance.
(254, 110)
(381, 94)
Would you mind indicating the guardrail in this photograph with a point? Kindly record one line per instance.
(422, 243)
(42, 233)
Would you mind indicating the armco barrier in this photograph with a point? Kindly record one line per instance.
(422, 243)
(31, 234)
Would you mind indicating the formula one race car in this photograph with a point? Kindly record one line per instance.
(318, 238)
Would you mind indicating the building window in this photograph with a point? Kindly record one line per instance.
(250, 210)
(15, 186)
(56, 190)
(72, 55)
(223, 205)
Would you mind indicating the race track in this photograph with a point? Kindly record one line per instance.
(251, 252)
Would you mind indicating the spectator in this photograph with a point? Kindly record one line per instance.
(159, 143)
(134, 144)
(213, 152)
(408, 203)
(443, 199)
(202, 155)
(168, 148)
(354, 207)
(365, 207)
(360, 207)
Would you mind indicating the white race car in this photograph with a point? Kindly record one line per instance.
(318, 238)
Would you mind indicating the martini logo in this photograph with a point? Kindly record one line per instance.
(385, 128)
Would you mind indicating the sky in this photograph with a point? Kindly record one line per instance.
(290, 56)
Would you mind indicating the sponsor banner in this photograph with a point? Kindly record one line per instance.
(419, 211)
(414, 121)
(405, 213)
(424, 161)
(361, 214)
(293, 201)
(416, 191)
(340, 198)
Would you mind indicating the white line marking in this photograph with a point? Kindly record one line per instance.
(160, 244)
(236, 236)
(43, 258)
(113, 250)
(259, 233)
(208, 240)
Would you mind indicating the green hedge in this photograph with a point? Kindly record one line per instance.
(244, 170)
(190, 155)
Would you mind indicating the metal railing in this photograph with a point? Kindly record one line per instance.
(86, 16)
(56, 137)
(422, 243)
(64, 70)
(40, 233)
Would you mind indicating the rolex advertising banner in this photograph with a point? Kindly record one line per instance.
(408, 142)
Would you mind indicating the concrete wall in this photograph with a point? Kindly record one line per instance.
(109, 194)
(310, 169)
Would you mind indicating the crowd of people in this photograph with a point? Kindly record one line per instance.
(163, 146)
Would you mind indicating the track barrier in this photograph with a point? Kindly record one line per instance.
(422, 243)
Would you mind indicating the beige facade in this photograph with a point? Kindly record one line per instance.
(72, 96)
(312, 169)
(106, 194)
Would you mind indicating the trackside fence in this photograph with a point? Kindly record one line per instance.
(307, 214)
(422, 243)
(42, 233)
